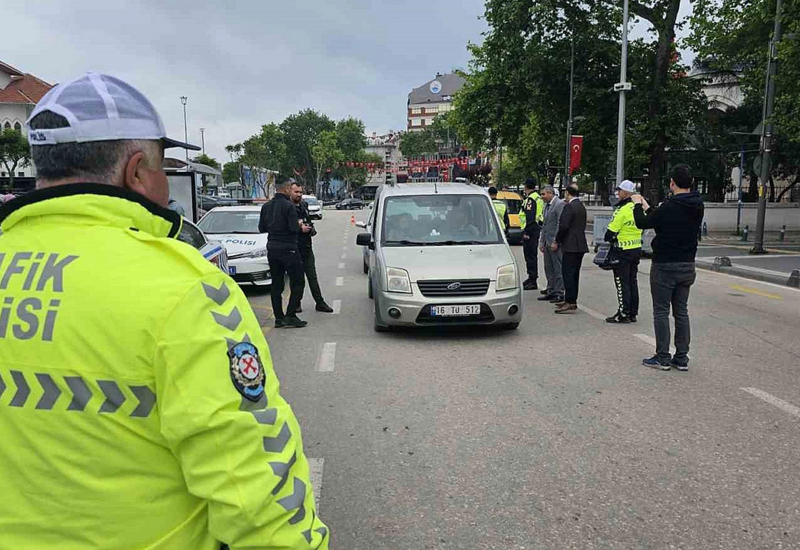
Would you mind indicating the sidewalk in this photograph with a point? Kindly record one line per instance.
(729, 254)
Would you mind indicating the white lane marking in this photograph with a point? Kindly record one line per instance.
(772, 400)
(593, 313)
(339, 281)
(327, 358)
(341, 265)
(652, 341)
(344, 256)
(337, 307)
(315, 466)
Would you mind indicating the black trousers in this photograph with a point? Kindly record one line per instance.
(281, 264)
(571, 270)
(627, 283)
(531, 249)
(310, 268)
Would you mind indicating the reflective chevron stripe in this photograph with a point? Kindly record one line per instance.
(80, 393)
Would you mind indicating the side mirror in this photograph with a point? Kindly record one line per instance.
(362, 225)
(364, 239)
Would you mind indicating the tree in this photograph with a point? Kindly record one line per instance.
(14, 152)
(206, 161)
(731, 38)
(231, 171)
(418, 144)
(327, 154)
(300, 134)
(518, 85)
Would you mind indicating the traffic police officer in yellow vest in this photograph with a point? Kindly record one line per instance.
(501, 208)
(139, 408)
(623, 231)
(531, 219)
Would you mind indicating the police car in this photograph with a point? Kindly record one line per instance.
(236, 228)
(314, 207)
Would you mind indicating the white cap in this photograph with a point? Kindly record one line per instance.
(627, 185)
(100, 107)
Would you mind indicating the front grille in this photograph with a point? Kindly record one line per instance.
(472, 287)
(254, 277)
(425, 318)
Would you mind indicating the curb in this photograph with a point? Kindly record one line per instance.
(723, 265)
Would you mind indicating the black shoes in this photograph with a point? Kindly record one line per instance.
(680, 365)
(293, 322)
(618, 319)
(557, 300)
(324, 308)
(280, 323)
(547, 297)
(633, 318)
(530, 285)
(656, 363)
(299, 309)
(544, 292)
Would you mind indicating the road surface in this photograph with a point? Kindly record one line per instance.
(551, 436)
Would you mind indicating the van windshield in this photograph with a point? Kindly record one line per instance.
(438, 220)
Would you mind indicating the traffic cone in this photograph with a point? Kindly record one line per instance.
(352, 220)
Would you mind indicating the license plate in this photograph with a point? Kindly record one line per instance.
(231, 270)
(455, 311)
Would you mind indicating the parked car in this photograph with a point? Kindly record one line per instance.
(438, 257)
(350, 204)
(212, 251)
(236, 228)
(209, 202)
(314, 206)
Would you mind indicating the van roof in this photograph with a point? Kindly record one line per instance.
(411, 189)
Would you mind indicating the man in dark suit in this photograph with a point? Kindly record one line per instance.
(571, 239)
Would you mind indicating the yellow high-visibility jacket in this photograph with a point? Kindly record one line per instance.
(138, 404)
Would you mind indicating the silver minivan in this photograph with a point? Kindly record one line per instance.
(438, 257)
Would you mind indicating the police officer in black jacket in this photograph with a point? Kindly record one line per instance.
(305, 245)
(279, 219)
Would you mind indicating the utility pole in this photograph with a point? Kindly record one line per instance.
(569, 121)
(203, 139)
(622, 87)
(184, 99)
(767, 132)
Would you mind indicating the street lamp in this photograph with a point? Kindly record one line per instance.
(203, 139)
(184, 99)
(622, 87)
(569, 120)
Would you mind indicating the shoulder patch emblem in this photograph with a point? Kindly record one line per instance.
(247, 372)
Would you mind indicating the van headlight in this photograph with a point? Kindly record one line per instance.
(507, 277)
(397, 280)
(257, 253)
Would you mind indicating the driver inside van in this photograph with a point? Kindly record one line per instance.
(399, 227)
(458, 220)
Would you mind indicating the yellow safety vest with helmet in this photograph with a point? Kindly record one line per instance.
(533, 203)
(629, 237)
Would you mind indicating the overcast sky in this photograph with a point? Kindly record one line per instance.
(249, 62)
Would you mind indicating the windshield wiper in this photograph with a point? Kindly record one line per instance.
(408, 243)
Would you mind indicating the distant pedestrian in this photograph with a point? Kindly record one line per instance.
(279, 219)
(677, 224)
(622, 231)
(552, 258)
(305, 245)
(501, 208)
(571, 240)
(531, 218)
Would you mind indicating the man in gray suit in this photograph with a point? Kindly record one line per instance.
(552, 259)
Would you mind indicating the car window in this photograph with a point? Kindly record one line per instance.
(191, 235)
(312, 201)
(438, 220)
(230, 221)
(514, 205)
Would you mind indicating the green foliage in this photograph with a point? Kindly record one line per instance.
(418, 144)
(206, 161)
(231, 172)
(517, 89)
(14, 152)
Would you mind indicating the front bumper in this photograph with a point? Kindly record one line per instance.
(315, 215)
(415, 308)
(254, 271)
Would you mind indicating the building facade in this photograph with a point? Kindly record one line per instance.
(19, 94)
(430, 100)
(386, 147)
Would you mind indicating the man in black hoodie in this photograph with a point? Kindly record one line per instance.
(677, 224)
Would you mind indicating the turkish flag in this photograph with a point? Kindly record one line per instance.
(575, 151)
